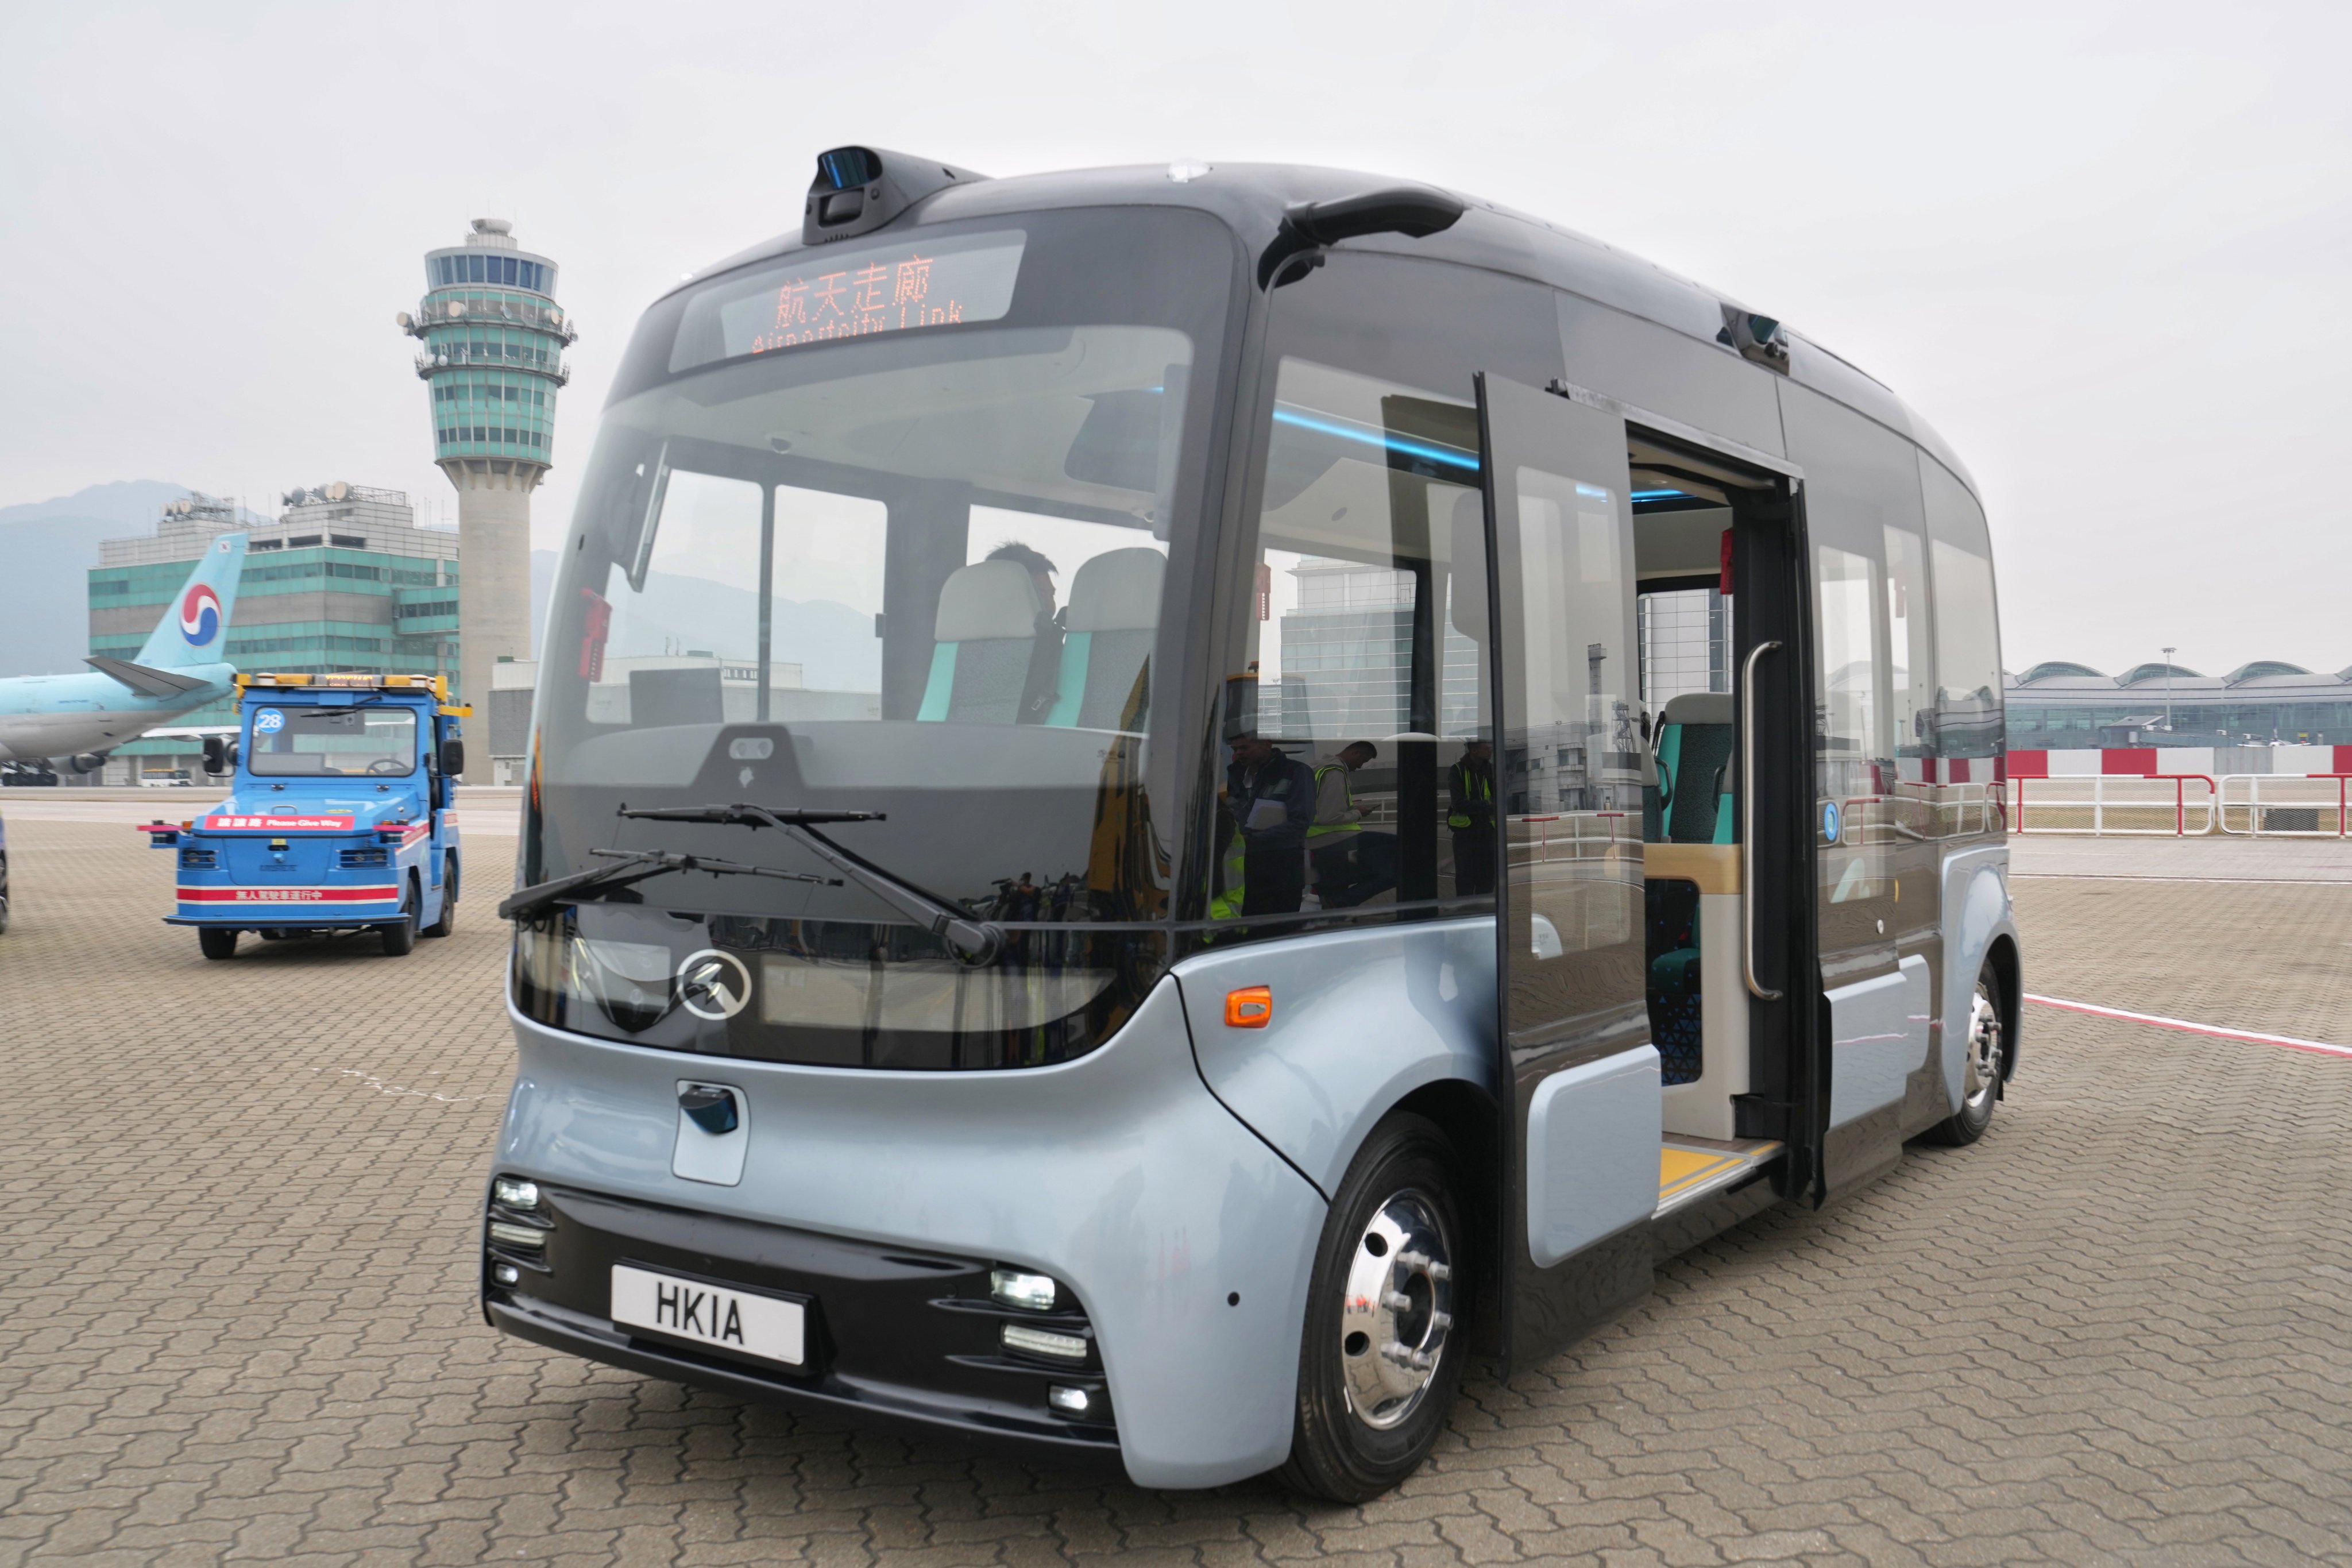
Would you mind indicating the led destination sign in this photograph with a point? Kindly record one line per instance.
(839, 294)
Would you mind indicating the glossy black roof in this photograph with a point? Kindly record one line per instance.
(1249, 198)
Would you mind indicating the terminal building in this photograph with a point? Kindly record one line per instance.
(344, 580)
(2059, 706)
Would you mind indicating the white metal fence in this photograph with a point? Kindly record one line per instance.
(2283, 805)
(2165, 805)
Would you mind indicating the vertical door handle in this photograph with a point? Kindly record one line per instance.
(1747, 822)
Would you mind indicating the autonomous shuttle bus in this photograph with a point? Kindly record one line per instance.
(1168, 803)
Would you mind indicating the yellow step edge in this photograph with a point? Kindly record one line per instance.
(1679, 1169)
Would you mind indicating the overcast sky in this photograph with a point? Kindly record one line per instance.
(2104, 248)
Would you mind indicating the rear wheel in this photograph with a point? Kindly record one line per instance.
(1381, 1359)
(400, 936)
(1980, 1072)
(217, 941)
(449, 921)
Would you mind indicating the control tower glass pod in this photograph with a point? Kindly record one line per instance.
(493, 340)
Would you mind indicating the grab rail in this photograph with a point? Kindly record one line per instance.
(1747, 822)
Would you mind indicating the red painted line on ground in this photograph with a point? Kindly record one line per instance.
(2317, 1047)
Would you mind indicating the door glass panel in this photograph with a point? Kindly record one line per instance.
(1570, 763)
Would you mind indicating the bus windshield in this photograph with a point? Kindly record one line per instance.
(918, 572)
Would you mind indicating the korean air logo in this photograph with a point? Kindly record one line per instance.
(200, 615)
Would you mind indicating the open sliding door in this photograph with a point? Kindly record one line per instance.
(1578, 1075)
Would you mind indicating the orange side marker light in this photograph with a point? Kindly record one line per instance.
(1251, 1007)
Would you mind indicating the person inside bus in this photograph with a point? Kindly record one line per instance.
(1044, 684)
(1271, 799)
(1351, 862)
(1472, 817)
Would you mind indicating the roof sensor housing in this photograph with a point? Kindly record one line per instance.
(859, 189)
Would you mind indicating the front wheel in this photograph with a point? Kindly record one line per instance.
(1980, 1072)
(1381, 1358)
(400, 936)
(217, 942)
(449, 921)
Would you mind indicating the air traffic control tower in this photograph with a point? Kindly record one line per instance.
(493, 354)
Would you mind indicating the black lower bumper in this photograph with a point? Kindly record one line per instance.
(897, 1339)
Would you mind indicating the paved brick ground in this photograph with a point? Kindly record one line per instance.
(235, 1318)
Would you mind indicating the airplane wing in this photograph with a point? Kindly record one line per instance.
(144, 678)
(187, 732)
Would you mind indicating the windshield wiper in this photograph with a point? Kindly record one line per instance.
(974, 940)
(627, 866)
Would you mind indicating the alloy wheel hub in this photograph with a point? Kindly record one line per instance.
(1398, 1310)
(1984, 1048)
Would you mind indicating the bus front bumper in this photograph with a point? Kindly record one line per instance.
(893, 1337)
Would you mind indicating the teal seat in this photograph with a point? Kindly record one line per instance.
(1694, 768)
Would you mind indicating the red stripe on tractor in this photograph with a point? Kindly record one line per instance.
(290, 895)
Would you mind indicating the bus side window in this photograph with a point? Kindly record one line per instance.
(1361, 662)
(1966, 722)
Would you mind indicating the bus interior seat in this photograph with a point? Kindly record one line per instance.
(1677, 1025)
(1653, 817)
(986, 628)
(1113, 617)
(1692, 761)
(1694, 765)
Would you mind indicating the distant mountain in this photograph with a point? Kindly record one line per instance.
(49, 545)
(833, 644)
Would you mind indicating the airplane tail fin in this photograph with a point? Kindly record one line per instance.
(194, 627)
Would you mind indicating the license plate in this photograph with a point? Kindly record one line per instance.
(742, 1322)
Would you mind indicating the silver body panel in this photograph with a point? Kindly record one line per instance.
(1361, 1019)
(1878, 1039)
(1977, 914)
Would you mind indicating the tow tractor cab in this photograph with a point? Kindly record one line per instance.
(342, 817)
(1169, 801)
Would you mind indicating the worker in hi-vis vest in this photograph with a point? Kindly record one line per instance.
(1270, 797)
(1351, 861)
(1470, 785)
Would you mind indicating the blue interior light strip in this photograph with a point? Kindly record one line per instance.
(1661, 495)
(1451, 457)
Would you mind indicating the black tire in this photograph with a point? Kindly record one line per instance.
(449, 921)
(1988, 1040)
(1376, 1384)
(217, 942)
(400, 936)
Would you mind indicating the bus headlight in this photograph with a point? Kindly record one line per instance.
(516, 1192)
(1031, 1292)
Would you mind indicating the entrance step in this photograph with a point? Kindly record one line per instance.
(1691, 1168)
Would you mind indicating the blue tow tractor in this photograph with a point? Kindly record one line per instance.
(342, 817)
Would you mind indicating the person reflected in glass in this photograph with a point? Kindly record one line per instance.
(1271, 799)
(1471, 816)
(1042, 686)
(1351, 862)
